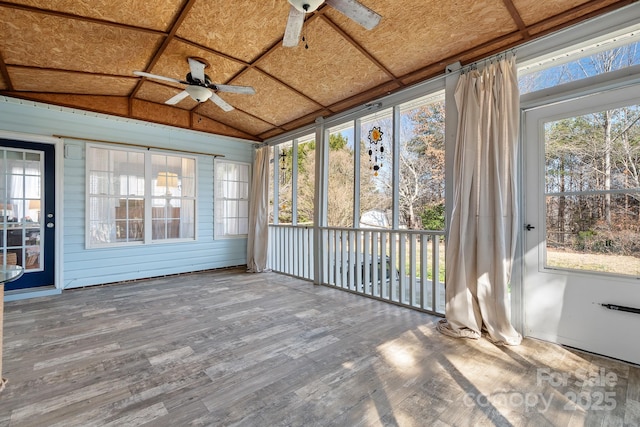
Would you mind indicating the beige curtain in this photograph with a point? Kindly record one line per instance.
(257, 242)
(482, 233)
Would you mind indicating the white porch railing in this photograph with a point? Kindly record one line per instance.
(403, 267)
(291, 250)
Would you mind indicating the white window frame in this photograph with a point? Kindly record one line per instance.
(147, 196)
(219, 199)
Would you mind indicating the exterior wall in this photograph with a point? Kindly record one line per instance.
(83, 267)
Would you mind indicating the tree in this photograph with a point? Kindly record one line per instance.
(422, 160)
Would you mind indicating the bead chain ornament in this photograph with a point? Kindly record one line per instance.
(376, 149)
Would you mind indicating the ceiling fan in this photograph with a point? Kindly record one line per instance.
(200, 87)
(350, 8)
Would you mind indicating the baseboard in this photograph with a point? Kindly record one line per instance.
(20, 294)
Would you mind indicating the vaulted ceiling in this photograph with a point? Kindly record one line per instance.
(82, 54)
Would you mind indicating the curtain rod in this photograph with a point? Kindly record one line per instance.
(129, 144)
(481, 63)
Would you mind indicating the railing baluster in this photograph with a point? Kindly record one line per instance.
(402, 244)
(358, 264)
(384, 283)
(312, 254)
(375, 262)
(412, 269)
(367, 281)
(392, 265)
(435, 271)
(344, 246)
(424, 270)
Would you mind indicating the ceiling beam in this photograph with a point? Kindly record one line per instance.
(168, 38)
(80, 18)
(197, 107)
(515, 15)
(5, 74)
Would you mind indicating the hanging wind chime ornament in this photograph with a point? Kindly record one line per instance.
(376, 149)
(283, 167)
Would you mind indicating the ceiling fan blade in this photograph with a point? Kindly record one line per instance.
(294, 28)
(155, 76)
(220, 102)
(356, 11)
(197, 69)
(247, 90)
(175, 99)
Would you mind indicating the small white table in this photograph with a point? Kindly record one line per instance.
(8, 273)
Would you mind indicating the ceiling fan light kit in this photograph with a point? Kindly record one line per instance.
(198, 93)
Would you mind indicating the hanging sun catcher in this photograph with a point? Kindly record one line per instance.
(376, 149)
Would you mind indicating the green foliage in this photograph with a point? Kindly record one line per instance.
(433, 218)
(337, 141)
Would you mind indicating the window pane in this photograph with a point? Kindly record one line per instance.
(285, 183)
(232, 190)
(99, 182)
(376, 184)
(598, 151)
(594, 58)
(243, 226)
(188, 187)
(305, 178)
(422, 157)
(243, 209)
(272, 164)
(187, 219)
(578, 236)
(102, 227)
(232, 208)
(159, 230)
(592, 171)
(243, 173)
(231, 203)
(341, 175)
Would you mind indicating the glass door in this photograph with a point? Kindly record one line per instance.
(27, 211)
(582, 222)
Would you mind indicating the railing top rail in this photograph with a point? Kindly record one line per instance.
(379, 230)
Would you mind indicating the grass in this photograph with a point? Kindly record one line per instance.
(605, 263)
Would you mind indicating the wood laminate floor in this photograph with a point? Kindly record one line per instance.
(229, 348)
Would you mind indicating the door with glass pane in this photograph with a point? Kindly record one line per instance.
(582, 223)
(27, 221)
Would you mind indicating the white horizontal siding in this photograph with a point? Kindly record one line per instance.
(84, 267)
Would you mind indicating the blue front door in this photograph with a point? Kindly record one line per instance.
(27, 208)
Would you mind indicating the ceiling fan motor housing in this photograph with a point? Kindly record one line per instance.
(306, 6)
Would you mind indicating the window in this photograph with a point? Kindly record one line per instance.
(173, 197)
(20, 201)
(421, 189)
(592, 191)
(136, 197)
(231, 199)
(285, 183)
(376, 179)
(341, 176)
(292, 177)
(304, 175)
(591, 58)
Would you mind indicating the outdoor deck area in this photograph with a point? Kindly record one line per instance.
(230, 348)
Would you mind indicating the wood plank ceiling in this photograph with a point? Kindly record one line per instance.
(82, 54)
